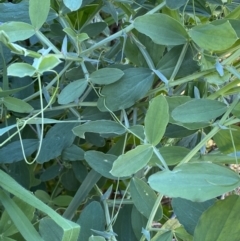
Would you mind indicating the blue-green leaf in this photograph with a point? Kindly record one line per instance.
(100, 126)
(124, 93)
(73, 5)
(72, 91)
(198, 181)
(132, 161)
(106, 76)
(21, 70)
(162, 29)
(17, 31)
(156, 119)
(38, 12)
(198, 110)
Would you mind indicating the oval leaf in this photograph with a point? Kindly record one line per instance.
(203, 36)
(73, 5)
(156, 119)
(38, 12)
(173, 4)
(17, 31)
(144, 198)
(21, 70)
(227, 221)
(197, 182)
(198, 110)
(72, 91)
(162, 29)
(100, 126)
(17, 105)
(48, 62)
(122, 94)
(13, 151)
(101, 162)
(92, 217)
(133, 161)
(190, 218)
(106, 76)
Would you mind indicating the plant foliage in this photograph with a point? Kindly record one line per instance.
(119, 120)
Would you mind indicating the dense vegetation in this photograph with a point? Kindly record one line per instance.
(120, 120)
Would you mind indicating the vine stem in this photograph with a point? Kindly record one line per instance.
(120, 33)
(152, 214)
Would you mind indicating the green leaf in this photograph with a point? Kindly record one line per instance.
(17, 31)
(38, 12)
(100, 126)
(50, 173)
(122, 94)
(163, 236)
(73, 153)
(70, 32)
(9, 184)
(182, 234)
(203, 36)
(175, 131)
(227, 221)
(106, 76)
(94, 29)
(174, 102)
(190, 218)
(17, 105)
(21, 70)
(216, 157)
(62, 200)
(13, 152)
(7, 227)
(49, 230)
(168, 62)
(92, 217)
(156, 119)
(96, 238)
(19, 218)
(172, 4)
(101, 163)
(132, 161)
(198, 181)
(138, 130)
(73, 5)
(123, 226)
(162, 29)
(171, 154)
(6, 129)
(47, 63)
(72, 91)
(58, 138)
(144, 198)
(9, 13)
(138, 222)
(198, 110)
(227, 141)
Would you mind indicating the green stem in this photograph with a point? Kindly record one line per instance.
(51, 83)
(192, 153)
(108, 219)
(231, 58)
(120, 33)
(64, 107)
(152, 215)
(47, 42)
(182, 80)
(233, 71)
(179, 62)
(223, 90)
